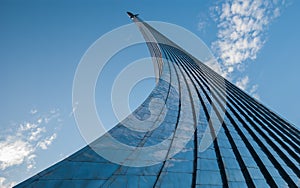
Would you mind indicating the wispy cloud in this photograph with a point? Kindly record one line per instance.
(204, 21)
(33, 111)
(20, 146)
(242, 83)
(47, 141)
(213, 64)
(253, 91)
(74, 108)
(242, 26)
(5, 184)
(241, 30)
(14, 152)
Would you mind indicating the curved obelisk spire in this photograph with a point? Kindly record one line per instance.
(195, 129)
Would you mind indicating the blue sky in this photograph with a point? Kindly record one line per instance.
(42, 42)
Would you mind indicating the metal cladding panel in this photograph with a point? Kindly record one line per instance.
(251, 146)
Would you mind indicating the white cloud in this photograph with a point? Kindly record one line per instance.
(20, 146)
(243, 83)
(47, 142)
(5, 184)
(54, 114)
(201, 25)
(36, 133)
(241, 29)
(276, 12)
(253, 89)
(54, 111)
(253, 92)
(27, 126)
(33, 111)
(204, 22)
(40, 120)
(74, 107)
(213, 64)
(256, 96)
(242, 26)
(14, 152)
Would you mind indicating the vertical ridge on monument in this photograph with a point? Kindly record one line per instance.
(195, 129)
